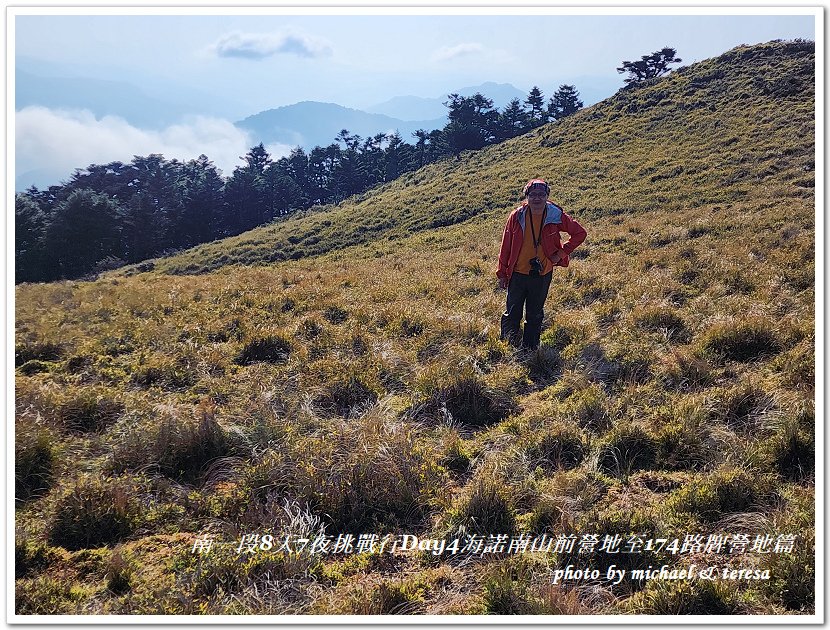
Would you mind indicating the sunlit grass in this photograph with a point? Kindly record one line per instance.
(363, 388)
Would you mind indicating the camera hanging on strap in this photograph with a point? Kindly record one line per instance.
(536, 266)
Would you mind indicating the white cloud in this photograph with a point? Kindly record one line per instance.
(262, 45)
(448, 53)
(59, 141)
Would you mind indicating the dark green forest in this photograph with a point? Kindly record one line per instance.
(109, 215)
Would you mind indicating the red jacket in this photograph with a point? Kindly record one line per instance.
(556, 221)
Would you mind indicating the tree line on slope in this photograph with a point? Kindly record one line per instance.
(108, 215)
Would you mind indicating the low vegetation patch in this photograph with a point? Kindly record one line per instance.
(559, 447)
(88, 409)
(35, 457)
(366, 472)
(94, 512)
(664, 320)
(37, 351)
(268, 349)
(682, 370)
(793, 576)
(742, 341)
(345, 393)
(626, 449)
(30, 558)
(589, 408)
(507, 589)
(462, 396)
(792, 451)
(180, 446)
(684, 597)
(680, 446)
(725, 491)
(484, 510)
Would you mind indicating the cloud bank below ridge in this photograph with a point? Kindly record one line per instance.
(53, 143)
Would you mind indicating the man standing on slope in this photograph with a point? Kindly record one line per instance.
(530, 249)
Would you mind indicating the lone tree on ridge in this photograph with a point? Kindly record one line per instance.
(650, 66)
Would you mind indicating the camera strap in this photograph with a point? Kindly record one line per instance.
(533, 229)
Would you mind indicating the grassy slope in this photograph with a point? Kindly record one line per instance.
(673, 392)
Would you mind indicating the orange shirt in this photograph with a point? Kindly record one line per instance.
(528, 251)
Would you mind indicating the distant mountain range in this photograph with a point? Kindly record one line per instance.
(306, 124)
(139, 107)
(419, 108)
(309, 124)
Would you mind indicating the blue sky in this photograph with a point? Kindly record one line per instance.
(358, 60)
(230, 66)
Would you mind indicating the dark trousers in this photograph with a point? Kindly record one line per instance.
(525, 293)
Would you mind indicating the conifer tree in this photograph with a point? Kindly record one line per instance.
(513, 120)
(564, 102)
(536, 102)
(649, 66)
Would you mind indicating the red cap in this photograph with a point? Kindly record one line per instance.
(535, 183)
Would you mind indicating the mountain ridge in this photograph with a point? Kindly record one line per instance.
(433, 107)
(315, 123)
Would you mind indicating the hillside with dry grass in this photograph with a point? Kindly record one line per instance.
(340, 372)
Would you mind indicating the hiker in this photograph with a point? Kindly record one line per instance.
(530, 249)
